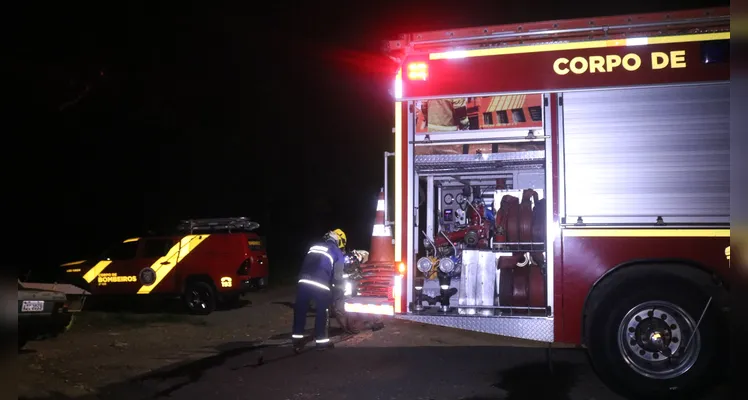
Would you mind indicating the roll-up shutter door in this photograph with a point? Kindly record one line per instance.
(633, 155)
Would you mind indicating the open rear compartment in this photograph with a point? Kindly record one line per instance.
(480, 212)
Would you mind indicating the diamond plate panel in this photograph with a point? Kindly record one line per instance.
(478, 162)
(539, 328)
(514, 156)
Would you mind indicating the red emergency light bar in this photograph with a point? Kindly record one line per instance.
(418, 71)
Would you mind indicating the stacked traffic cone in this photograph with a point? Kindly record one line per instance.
(378, 269)
(382, 248)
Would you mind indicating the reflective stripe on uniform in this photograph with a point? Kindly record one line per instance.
(297, 336)
(321, 250)
(322, 340)
(313, 283)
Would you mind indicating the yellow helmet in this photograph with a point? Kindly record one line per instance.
(339, 236)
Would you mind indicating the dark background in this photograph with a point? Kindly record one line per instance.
(138, 115)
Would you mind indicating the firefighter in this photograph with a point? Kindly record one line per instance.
(322, 266)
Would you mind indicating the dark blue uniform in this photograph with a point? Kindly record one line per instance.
(322, 266)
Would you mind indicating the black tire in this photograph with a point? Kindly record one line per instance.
(199, 298)
(605, 333)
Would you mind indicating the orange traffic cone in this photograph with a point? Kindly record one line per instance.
(382, 247)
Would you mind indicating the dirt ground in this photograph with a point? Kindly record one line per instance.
(128, 355)
(106, 347)
(103, 348)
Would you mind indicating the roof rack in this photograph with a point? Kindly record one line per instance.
(233, 224)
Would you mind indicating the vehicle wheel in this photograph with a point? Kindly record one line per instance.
(200, 298)
(638, 338)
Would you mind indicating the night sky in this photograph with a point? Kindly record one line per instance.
(140, 116)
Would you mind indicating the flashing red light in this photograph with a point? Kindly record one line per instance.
(418, 71)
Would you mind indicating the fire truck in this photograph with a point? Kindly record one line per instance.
(568, 181)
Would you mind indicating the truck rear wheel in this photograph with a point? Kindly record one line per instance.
(643, 339)
(200, 298)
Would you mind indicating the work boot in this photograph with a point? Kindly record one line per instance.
(324, 346)
(298, 347)
(298, 344)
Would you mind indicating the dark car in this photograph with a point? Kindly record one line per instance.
(41, 314)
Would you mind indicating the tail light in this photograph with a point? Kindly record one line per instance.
(244, 268)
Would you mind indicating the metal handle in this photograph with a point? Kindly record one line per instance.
(386, 184)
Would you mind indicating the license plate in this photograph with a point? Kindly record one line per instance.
(32, 306)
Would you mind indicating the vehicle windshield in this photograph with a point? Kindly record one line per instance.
(120, 251)
(103, 255)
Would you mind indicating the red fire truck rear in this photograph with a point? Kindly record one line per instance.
(568, 181)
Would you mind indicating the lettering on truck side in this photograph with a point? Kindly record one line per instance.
(630, 62)
(104, 279)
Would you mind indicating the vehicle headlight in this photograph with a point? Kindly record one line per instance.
(447, 265)
(424, 264)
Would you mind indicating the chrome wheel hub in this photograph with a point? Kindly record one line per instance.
(652, 339)
(197, 300)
